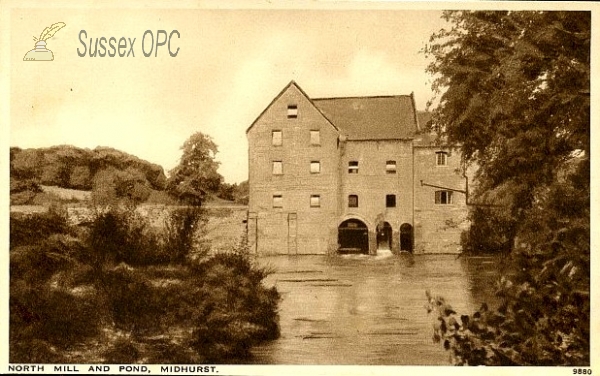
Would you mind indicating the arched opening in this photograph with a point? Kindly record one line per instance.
(353, 237)
(406, 237)
(384, 236)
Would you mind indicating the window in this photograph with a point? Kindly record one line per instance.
(277, 201)
(353, 167)
(292, 111)
(315, 167)
(277, 167)
(315, 137)
(353, 201)
(443, 197)
(441, 158)
(315, 201)
(277, 138)
(390, 167)
(390, 201)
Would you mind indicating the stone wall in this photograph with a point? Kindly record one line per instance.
(295, 227)
(373, 183)
(438, 226)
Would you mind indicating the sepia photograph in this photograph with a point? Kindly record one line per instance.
(257, 187)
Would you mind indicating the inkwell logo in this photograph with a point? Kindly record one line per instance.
(40, 52)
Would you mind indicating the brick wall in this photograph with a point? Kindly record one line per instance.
(438, 226)
(295, 227)
(373, 182)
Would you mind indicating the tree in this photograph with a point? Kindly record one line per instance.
(111, 187)
(196, 175)
(513, 90)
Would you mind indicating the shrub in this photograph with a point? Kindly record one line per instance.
(122, 351)
(544, 315)
(51, 315)
(492, 230)
(180, 236)
(123, 236)
(25, 185)
(238, 311)
(133, 304)
(29, 229)
(34, 351)
(37, 263)
(164, 351)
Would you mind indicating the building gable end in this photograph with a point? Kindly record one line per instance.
(281, 93)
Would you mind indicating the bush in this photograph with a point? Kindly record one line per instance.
(34, 351)
(37, 263)
(238, 311)
(132, 301)
(29, 229)
(180, 236)
(544, 315)
(492, 230)
(123, 236)
(119, 274)
(52, 315)
(25, 185)
(122, 351)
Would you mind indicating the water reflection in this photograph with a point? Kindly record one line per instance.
(360, 309)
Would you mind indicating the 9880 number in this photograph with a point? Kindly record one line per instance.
(582, 371)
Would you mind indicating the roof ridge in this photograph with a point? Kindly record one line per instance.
(363, 97)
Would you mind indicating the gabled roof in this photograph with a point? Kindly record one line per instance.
(371, 118)
(292, 83)
(427, 137)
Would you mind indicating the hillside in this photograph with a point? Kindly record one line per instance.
(71, 167)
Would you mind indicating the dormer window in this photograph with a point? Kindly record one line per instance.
(441, 158)
(292, 111)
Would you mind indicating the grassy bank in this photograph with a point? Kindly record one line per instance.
(117, 290)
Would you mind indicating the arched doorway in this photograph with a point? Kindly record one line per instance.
(353, 237)
(406, 237)
(384, 236)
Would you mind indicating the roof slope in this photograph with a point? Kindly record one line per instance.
(371, 118)
(286, 88)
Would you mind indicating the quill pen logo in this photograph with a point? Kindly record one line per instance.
(40, 52)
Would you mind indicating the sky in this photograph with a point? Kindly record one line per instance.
(230, 65)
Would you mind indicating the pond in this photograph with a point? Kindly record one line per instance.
(359, 309)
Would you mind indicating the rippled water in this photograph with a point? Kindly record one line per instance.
(360, 309)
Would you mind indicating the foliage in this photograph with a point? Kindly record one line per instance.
(242, 193)
(31, 229)
(122, 351)
(127, 292)
(67, 166)
(238, 311)
(180, 236)
(111, 187)
(237, 193)
(118, 236)
(196, 175)
(514, 93)
(492, 230)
